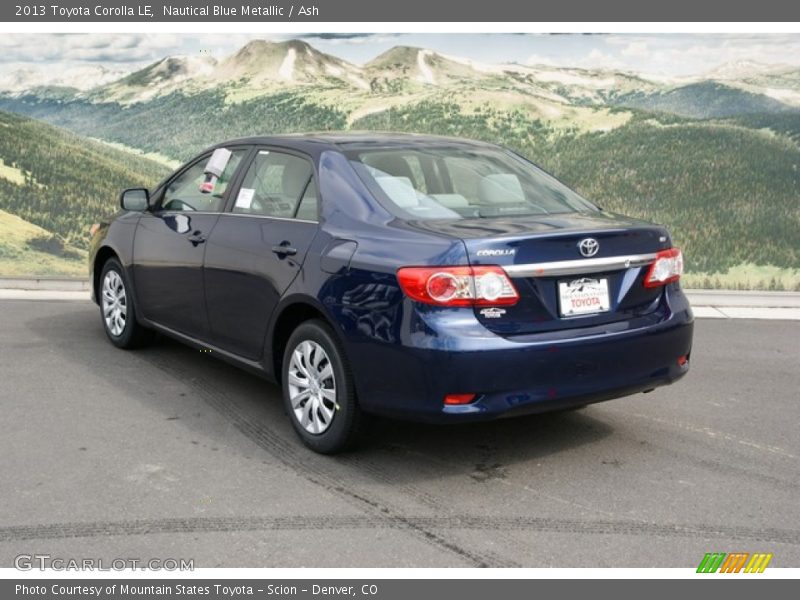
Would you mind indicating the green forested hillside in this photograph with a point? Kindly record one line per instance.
(61, 181)
(787, 124)
(26, 249)
(729, 195)
(179, 126)
(729, 189)
(704, 100)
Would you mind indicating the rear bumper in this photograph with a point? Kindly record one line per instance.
(439, 352)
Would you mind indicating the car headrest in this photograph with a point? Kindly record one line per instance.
(500, 188)
(399, 189)
(391, 164)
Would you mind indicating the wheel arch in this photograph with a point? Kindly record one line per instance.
(104, 253)
(290, 314)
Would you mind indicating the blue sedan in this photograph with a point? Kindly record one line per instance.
(417, 277)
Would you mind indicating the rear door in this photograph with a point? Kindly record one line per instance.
(258, 246)
(169, 245)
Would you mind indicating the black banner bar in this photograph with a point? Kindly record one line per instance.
(149, 11)
(730, 588)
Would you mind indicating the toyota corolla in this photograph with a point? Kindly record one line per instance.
(418, 277)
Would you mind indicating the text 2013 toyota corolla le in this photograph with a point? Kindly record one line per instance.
(418, 277)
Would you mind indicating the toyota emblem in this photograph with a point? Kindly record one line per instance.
(588, 247)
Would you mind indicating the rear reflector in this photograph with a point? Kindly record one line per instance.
(682, 360)
(459, 398)
(668, 267)
(458, 286)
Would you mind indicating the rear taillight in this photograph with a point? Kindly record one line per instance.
(668, 267)
(458, 286)
(459, 399)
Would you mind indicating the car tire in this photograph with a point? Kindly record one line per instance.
(117, 309)
(318, 390)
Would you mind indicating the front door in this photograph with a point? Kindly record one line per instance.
(169, 245)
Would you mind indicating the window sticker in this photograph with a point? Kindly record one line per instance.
(214, 169)
(218, 161)
(245, 198)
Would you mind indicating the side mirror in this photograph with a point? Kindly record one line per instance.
(137, 199)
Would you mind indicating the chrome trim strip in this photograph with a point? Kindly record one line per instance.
(233, 214)
(579, 267)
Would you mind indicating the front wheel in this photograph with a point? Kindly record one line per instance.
(117, 309)
(318, 390)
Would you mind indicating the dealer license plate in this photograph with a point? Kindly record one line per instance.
(584, 296)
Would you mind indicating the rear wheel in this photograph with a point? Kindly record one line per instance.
(318, 390)
(117, 309)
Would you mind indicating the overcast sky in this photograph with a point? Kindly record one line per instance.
(656, 54)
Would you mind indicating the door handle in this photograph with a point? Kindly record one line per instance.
(197, 238)
(284, 249)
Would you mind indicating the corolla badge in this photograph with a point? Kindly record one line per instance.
(497, 252)
(588, 247)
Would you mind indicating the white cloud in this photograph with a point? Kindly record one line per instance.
(350, 40)
(80, 47)
(690, 54)
(538, 59)
(17, 77)
(637, 49)
(597, 59)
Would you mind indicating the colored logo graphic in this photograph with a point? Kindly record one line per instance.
(737, 562)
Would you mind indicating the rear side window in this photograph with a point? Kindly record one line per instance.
(278, 185)
(184, 192)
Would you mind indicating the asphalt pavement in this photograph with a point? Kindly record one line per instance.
(168, 453)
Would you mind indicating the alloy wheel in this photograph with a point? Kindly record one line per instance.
(115, 307)
(312, 387)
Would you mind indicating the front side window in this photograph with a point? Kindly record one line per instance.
(186, 192)
(462, 182)
(278, 185)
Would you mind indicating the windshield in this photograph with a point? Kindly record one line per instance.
(461, 182)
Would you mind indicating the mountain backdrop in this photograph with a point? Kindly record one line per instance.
(715, 158)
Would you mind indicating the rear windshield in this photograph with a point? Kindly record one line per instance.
(452, 183)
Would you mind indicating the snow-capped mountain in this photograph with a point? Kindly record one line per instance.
(294, 62)
(163, 76)
(262, 67)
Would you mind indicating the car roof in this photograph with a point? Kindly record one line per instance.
(341, 140)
